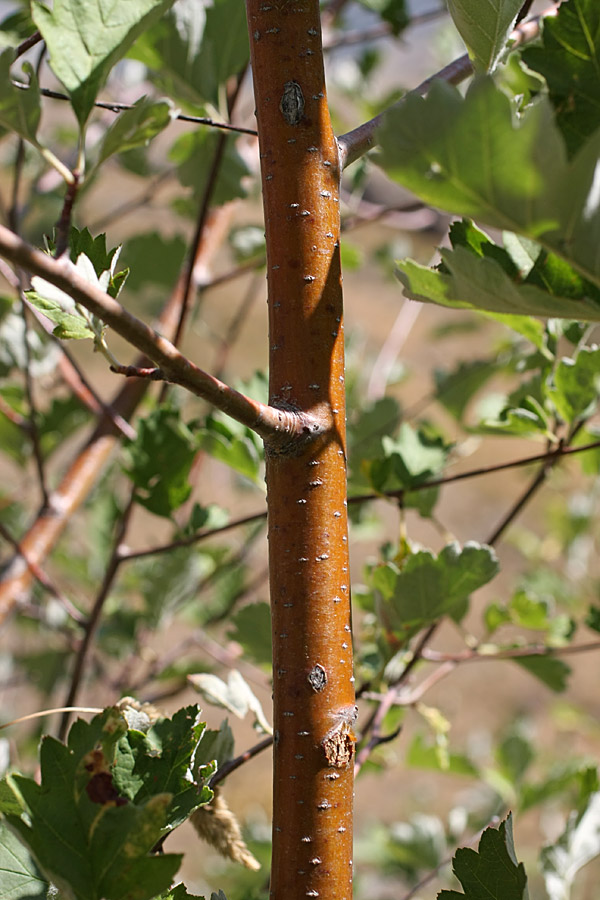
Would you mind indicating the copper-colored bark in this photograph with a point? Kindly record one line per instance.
(83, 472)
(310, 593)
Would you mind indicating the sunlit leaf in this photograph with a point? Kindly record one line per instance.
(20, 109)
(569, 60)
(461, 155)
(21, 878)
(484, 27)
(89, 839)
(136, 127)
(85, 38)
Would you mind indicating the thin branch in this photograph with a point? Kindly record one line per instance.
(518, 506)
(360, 140)
(80, 386)
(127, 555)
(129, 206)
(207, 195)
(236, 324)
(42, 578)
(473, 655)
(150, 372)
(34, 433)
(121, 107)
(63, 226)
(382, 30)
(94, 618)
(13, 416)
(27, 44)
(551, 455)
(250, 266)
(277, 426)
(234, 764)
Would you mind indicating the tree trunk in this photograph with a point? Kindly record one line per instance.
(314, 708)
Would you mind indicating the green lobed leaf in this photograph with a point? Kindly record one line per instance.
(570, 775)
(20, 109)
(549, 669)
(158, 763)
(159, 460)
(215, 748)
(232, 445)
(428, 587)
(576, 383)
(569, 60)
(193, 50)
(85, 836)
(179, 892)
(407, 460)
(461, 155)
(85, 38)
(69, 325)
(472, 282)
(592, 619)
(484, 27)
(491, 872)
(154, 260)
(252, 629)
(20, 878)
(136, 127)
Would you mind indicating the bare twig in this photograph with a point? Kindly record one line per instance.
(28, 43)
(121, 107)
(43, 579)
(13, 416)
(150, 372)
(551, 455)
(381, 30)
(94, 618)
(474, 655)
(63, 226)
(270, 423)
(234, 764)
(127, 555)
(34, 433)
(129, 206)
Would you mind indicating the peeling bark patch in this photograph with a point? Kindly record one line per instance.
(339, 749)
(317, 678)
(292, 103)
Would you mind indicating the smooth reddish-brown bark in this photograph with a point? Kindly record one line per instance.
(310, 587)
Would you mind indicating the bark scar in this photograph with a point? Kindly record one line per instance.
(292, 103)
